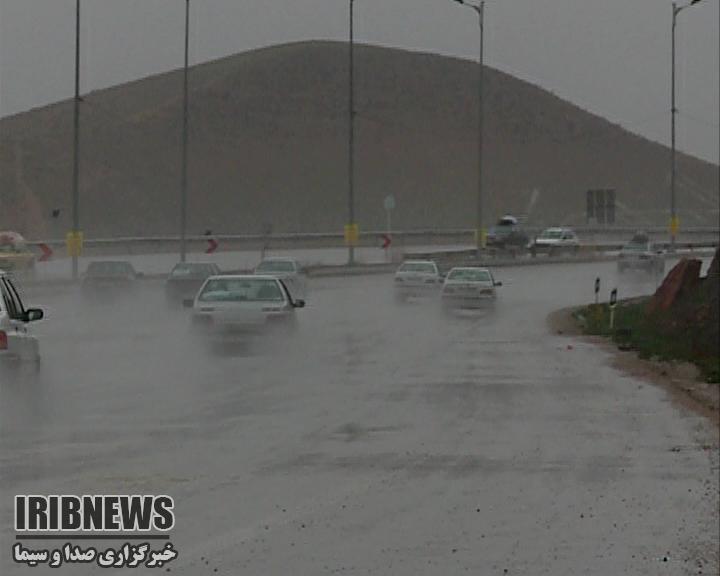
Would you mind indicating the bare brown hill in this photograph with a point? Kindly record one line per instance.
(268, 132)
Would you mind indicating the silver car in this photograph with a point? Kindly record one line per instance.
(417, 278)
(17, 344)
(286, 269)
(554, 241)
(469, 287)
(641, 254)
(231, 308)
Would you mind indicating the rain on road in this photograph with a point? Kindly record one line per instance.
(379, 439)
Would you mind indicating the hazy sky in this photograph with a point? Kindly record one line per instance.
(610, 56)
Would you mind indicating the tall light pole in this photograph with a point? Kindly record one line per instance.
(479, 232)
(183, 177)
(76, 148)
(674, 224)
(351, 228)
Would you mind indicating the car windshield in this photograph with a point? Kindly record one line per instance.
(191, 271)
(109, 269)
(552, 234)
(642, 247)
(241, 290)
(418, 267)
(470, 275)
(11, 248)
(272, 266)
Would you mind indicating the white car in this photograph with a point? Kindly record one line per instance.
(286, 269)
(16, 343)
(417, 278)
(555, 241)
(232, 307)
(469, 287)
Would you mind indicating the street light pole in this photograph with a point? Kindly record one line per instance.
(480, 240)
(479, 232)
(350, 229)
(183, 181)
(76, 147)
(674, 224)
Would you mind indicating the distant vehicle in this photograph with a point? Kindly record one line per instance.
(16, 343)
(555, 241)
(186, 278)
(14, 253)
(231, 308)
(286, 269)
(469, 287)
(641, 254)
(507, 234)
(417, 278)
(109, 278)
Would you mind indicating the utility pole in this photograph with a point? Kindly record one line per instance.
(674, 223)
(183, 181)
(351, 230)
(76, 149)
(479, 229)
(673, 112)
(480, 242)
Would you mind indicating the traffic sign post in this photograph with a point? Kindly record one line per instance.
(74, 243)
(389, 205)
(674, 229)
(613, 303)
(352, 234)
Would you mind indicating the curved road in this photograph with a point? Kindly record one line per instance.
(380, 439)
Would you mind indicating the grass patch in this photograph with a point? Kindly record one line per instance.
(656, 336)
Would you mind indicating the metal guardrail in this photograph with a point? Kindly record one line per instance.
(368, 236)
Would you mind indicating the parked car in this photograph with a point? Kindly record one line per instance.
(286, 269)
(186, 278)
(17, 344)
(231, 308)
(554, 241)
(15, 255)
(417, 278)
(109, 278)
(641, 254)
(469, 287)
(507, 234)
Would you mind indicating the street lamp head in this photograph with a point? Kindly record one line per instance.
(677, 9)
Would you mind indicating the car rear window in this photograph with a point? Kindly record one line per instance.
(470, 275)
(192, 271)
(421, 267)
(271, 266)
(241, 290)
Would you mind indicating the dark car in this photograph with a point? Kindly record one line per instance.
(186, 278)
(109, 278)
(641, 254)
(507, 234)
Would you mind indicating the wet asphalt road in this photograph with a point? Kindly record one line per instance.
(380, 439)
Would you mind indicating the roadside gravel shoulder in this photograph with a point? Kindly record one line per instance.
(680, 379)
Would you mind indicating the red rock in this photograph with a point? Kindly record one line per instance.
(714, 269)
(681, 279)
